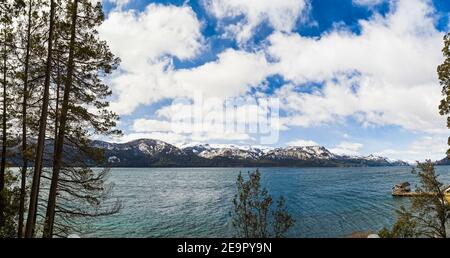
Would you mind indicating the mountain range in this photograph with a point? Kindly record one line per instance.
(155, 153)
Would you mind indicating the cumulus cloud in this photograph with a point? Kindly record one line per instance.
(400, 40)
(233, 74)
(347, 148)
(181, 132)
(368, 101)
(139, 38)
(212, 119)
(281, 15)
(384, 75)
(145, 42)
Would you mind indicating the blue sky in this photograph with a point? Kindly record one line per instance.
(355, 76)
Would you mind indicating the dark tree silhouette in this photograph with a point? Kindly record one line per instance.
(251, 217)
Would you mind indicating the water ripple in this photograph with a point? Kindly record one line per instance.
(196, 202)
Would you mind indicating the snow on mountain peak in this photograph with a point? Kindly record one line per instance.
(240, 152)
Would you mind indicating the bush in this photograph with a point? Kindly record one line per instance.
(11, 195)
(252, 209)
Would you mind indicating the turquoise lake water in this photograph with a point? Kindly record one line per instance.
(196, 202)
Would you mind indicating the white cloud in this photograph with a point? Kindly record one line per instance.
(145, 42)
(233, 74)
(395, 59)
(212, 119)
(401, 40)
(134, 88)
(142, 37)
(370, 102)
(177, 133)
(302, 143)
(325, 106)
(347, 148)
(427, 147)
(151, 125)
(281, 15)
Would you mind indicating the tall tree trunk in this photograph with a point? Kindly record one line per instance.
(58, 91)
(24, 127)
(3, 159)
(50, 215)
(3, 150)
(58, 87)
(32, 211)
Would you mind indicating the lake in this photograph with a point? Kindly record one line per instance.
(196, 202)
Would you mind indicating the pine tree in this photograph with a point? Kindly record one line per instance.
(6, 82)
(444, 79)
(51, 63)
(34, 194)
(29, 75)
(10, 65)
(87, 58)
(51, 204)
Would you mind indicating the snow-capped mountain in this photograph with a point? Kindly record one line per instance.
(144, 153)
(151, 153)
(155, 153)
(208, 151)
(145, 146)
(301, 153)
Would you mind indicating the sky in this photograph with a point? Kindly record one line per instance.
(356, 76)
